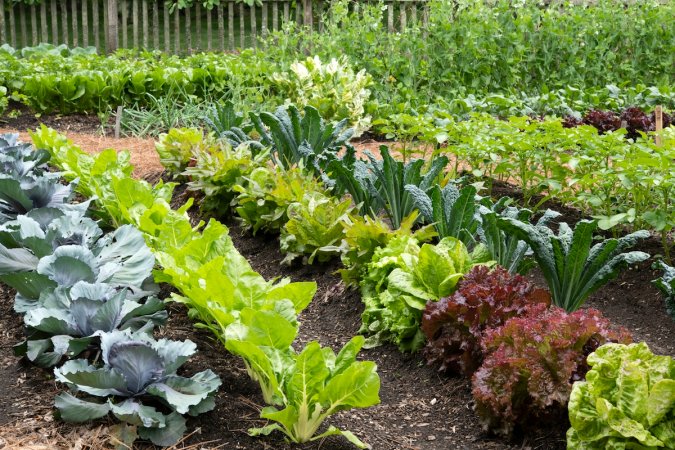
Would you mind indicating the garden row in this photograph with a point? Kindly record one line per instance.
(252, 317)
(522, 354)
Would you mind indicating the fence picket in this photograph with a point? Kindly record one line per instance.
(23, 25)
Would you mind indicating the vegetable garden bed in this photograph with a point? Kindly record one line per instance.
(419, 408)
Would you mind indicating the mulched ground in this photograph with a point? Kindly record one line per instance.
(419, 410)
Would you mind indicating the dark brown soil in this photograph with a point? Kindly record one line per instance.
(419, 408)
(20, 118)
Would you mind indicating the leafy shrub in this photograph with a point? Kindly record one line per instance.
(399, 281)
(334, 89)
(666, 284)
(531, 362)
(572, 268)
(485, 299)
(627, 400)
(137, 374)
(314, 227)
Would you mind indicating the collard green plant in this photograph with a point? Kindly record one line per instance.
(304, 388)
(572, 268)
(453, 212)
(68, 321)
(627, 400)
(666, 284)
(531, 362)
(485, 299)
(135, 369)
(314, 228)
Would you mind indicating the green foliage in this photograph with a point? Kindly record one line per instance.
(399, 281)
(506, 248)
(295, 139)
(177, 147)
(315, 227)
(304, 388)
(453, 212)
(334, 89)
(264, 196)
(627, 400)
(3, 99)
(224, 117)
(572, 268)
(666, 284)
(380, 185)
(364, 234)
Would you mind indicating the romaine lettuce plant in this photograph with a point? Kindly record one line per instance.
(314, 228)
(304, 388)
(572, 268)
(139, 385)
(666, 284)
(531, 362)
(627, 400)
(485, 299)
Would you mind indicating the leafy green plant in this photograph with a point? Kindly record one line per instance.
(381, 185)
(627, 400)
(399, 281)
(176, 148)
(334, 89)
(364, 234)
(223, 117)
(304, 388)
(531, 362)
(264, 196)
(68, 322)
(307, 139)
(507, 249)
(666, 284)
(485, 299)
(314, 228)
(136, 368)
(453, 212)
(572, 268)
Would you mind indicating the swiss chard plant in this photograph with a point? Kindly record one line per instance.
(531, 362)
(314, 228)
(626, 401)
(485, 299)
(572, 268)
(137, 383)
(666, 284)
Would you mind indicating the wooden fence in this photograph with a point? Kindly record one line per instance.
(149, 24)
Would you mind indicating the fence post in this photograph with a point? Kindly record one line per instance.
(111, 32)
(308, 19)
